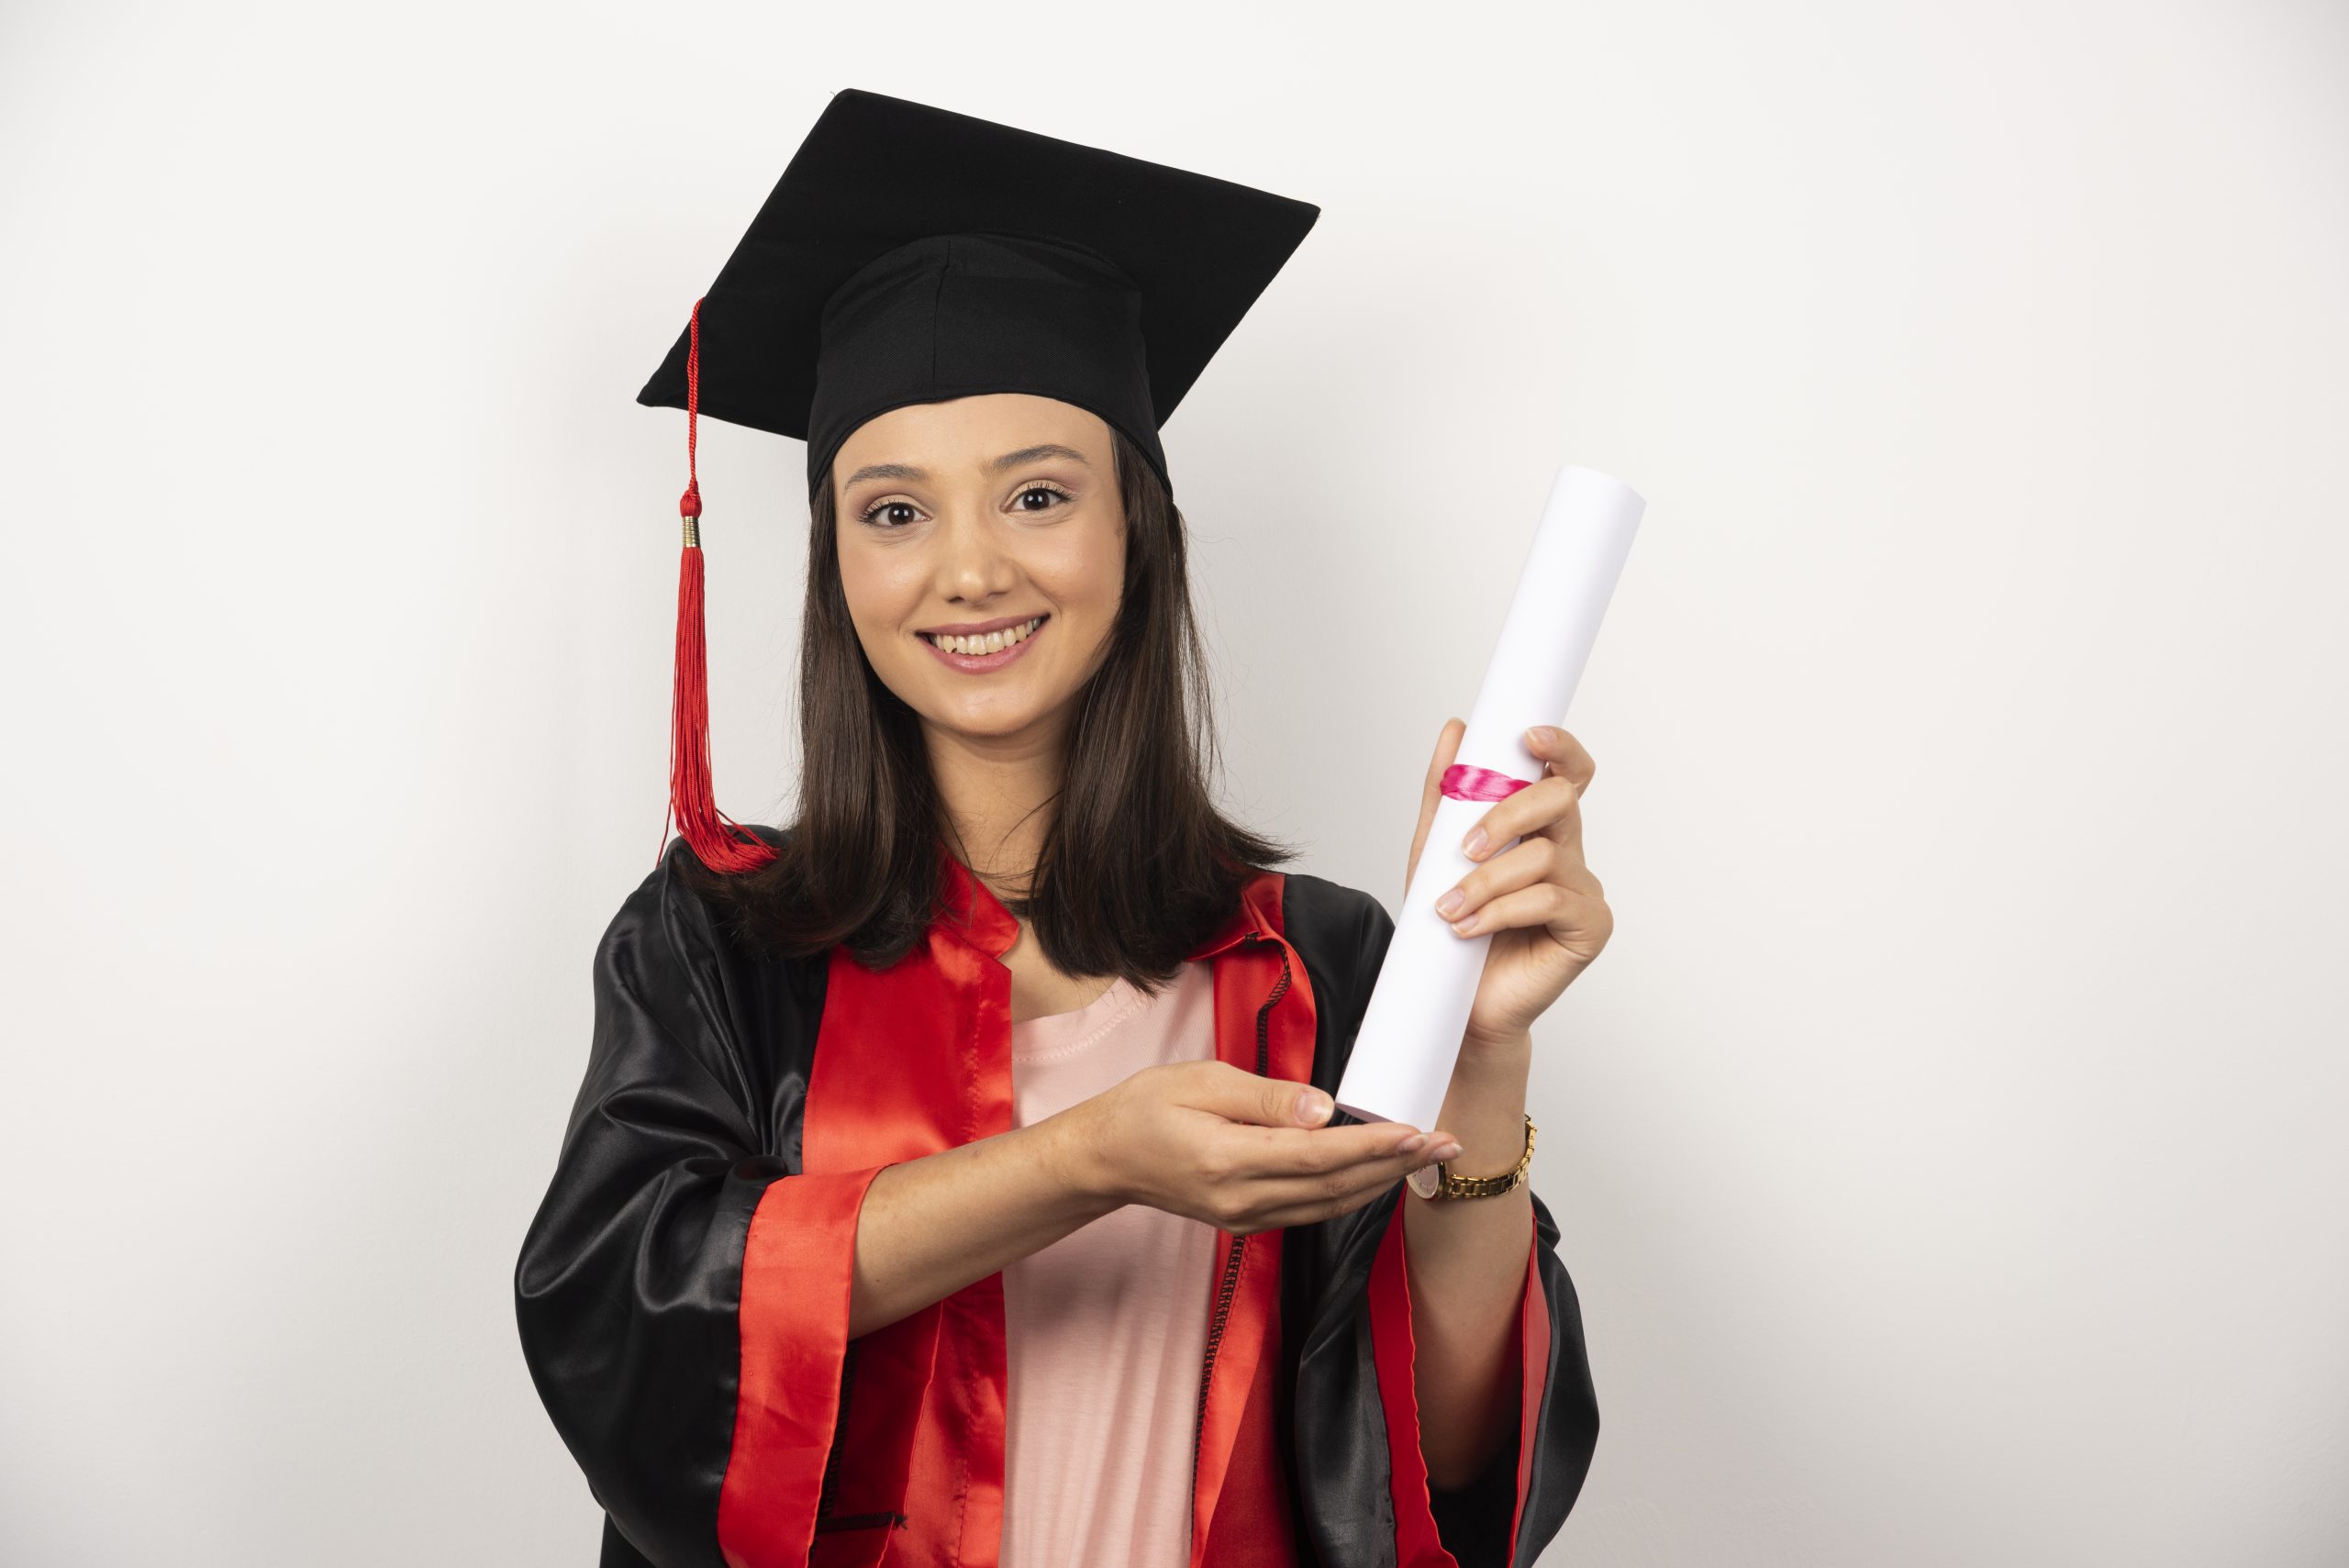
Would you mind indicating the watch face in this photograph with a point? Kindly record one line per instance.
(1426, 1181)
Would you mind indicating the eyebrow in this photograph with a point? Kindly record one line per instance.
(1009, 460)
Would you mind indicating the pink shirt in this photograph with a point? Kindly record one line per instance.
(1108, 1326)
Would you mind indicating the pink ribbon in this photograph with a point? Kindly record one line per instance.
(1464, 780)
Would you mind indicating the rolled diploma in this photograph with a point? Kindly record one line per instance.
(1403, 1055)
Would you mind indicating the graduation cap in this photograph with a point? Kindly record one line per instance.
(913, 255)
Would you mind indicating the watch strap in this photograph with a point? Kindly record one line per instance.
(1454, 1186)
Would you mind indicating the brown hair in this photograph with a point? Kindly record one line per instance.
(1137, 866)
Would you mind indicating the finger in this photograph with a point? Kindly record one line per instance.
(1396, 1155)
(1567, 911)
(1333, 1192)
(1319, 1198)
(1447, 747)
(1561, 754)
(1238, 1096)
(1528, 861)
(1547, 806)
(1268, 1153)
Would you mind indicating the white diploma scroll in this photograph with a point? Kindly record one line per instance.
(1403, 1055)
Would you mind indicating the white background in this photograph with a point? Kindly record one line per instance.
(1947, 1146)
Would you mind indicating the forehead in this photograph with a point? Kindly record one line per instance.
(964, 436)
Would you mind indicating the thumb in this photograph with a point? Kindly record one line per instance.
(1447, 747)
(1238, 1095)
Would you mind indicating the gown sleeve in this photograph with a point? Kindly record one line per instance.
(679, 1257)
(1511, 1511)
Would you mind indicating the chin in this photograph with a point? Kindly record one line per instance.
(992, 725)
(987, 720)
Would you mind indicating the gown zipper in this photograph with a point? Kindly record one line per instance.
(1229, 1283)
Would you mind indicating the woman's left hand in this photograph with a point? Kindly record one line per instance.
(1547, 913)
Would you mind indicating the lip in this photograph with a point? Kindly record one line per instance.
(980, 663)
(980, 628)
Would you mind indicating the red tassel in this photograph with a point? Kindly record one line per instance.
(713, 835)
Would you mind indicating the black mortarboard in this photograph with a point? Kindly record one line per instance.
(911, 255)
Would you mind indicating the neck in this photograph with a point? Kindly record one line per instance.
(999, 793)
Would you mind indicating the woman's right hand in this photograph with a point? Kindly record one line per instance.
(1242, 1152)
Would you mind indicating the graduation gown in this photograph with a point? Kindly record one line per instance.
(682, 1290)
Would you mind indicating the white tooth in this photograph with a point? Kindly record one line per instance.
(992, 642)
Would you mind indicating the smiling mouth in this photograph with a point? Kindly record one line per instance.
(984, 643)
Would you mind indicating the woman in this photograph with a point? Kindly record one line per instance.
(846, 1258)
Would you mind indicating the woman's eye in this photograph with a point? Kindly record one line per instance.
(1047, 492)
(873, 513)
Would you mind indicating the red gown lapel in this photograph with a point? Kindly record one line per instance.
(1251, 978)
(912, 1060)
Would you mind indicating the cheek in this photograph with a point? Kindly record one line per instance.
(1086, 571)
(872, 588)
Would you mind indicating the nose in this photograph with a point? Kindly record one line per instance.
(971, 565)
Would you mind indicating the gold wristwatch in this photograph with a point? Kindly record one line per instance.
(1438, 1180)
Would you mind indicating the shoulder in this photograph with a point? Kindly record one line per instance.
(680, 880)
(672, 954)
(1341, 931)
(680, 907)
(1319, 906)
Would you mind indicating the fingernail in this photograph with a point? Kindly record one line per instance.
(1449, 1151)
(1312, 1108)
(1448, 904)
(1542, 735)
(1412, 1144)
(1473, 844)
